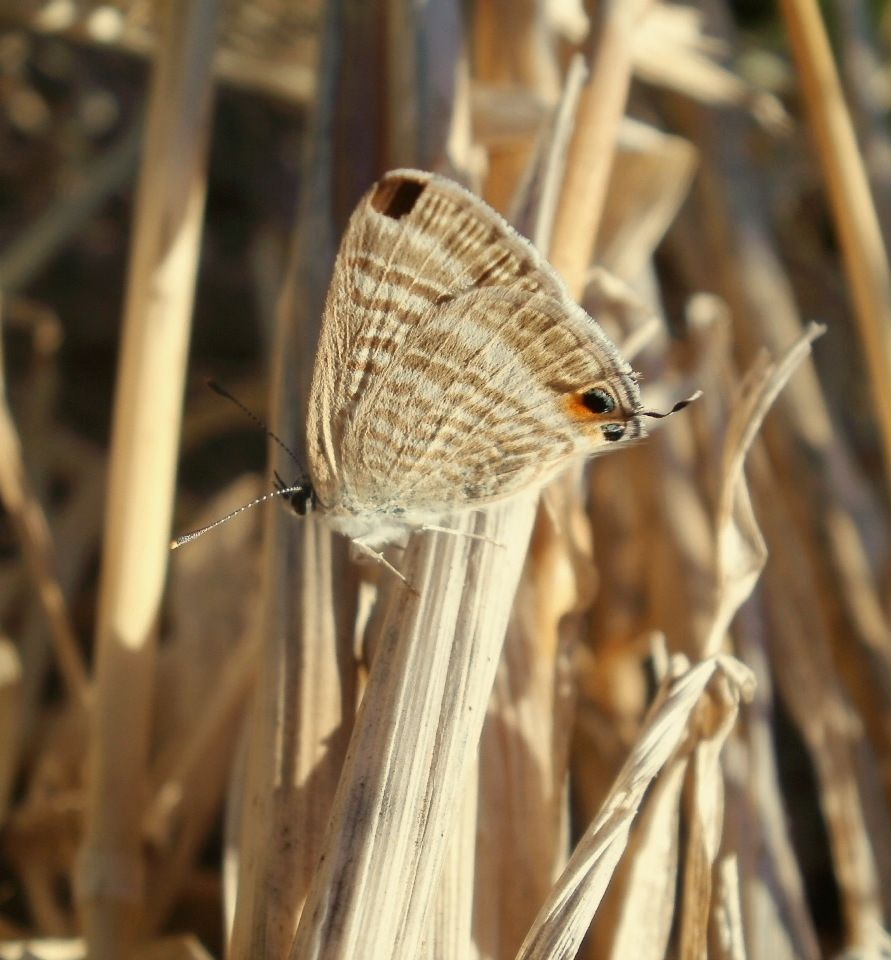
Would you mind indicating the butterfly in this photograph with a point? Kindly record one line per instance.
(453, 368)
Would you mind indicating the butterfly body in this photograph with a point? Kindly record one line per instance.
(453, 368)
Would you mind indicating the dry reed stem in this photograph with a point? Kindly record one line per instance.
(564, 918)
(862, 68)
(145, 434)
(411, 750)
(302, 715)
(306, 684)
(555, 161)
(599, 114)
(36, 542)
(865, 257)
(516, 79)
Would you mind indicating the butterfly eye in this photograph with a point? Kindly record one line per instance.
(613, 431)
(598, 400)
(302, 500)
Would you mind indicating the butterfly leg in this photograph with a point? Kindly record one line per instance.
(462, 533)
(367, 551)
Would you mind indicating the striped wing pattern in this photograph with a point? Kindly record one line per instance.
(449, 354)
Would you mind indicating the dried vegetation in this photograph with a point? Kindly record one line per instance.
(646, 715)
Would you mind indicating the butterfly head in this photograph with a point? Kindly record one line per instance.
(608, 411)
(612, 410)
(301, 496)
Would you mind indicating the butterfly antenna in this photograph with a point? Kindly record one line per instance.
(279, 492)
(678, 406)
(223, 392)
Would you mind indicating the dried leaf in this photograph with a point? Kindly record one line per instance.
(741, 552)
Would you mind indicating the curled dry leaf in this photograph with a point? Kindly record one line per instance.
(741, 552)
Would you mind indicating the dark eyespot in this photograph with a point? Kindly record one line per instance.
(396, 198)
(598, 401)
(613, 431)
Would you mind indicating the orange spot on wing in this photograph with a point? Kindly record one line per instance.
(576, 408)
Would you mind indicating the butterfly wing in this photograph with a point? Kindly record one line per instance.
(452, 362)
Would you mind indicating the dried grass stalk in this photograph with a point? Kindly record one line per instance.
(144, 450)
(865, 257)
(590, 154)
(305, 697)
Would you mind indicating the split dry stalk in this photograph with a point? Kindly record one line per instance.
(145, 439)
(524, 750)
(412, 747)
(865, 257)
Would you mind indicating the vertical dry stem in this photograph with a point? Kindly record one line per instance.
(143, 467)
(304, 698)
(866, 260)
